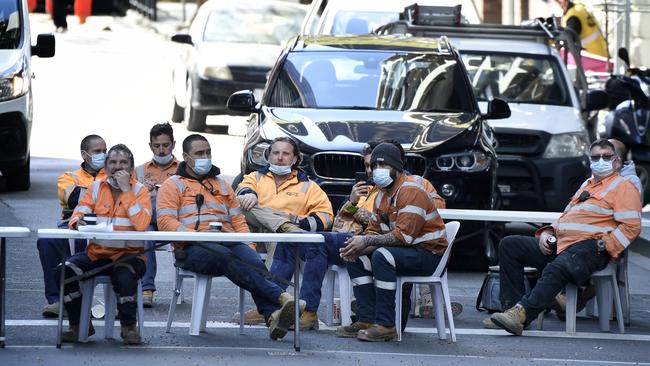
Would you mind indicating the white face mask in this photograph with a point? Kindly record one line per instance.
(112, 182)
(381, 177)
(163, 160)
(601, 168)
(280, 169)
(97, 161)
(202, 166)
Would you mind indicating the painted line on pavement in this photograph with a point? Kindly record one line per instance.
(461, 331)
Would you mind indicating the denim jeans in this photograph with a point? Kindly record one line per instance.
(149, 278)
(317, 258)
(374, 279)
(265, 292)
(49, 252)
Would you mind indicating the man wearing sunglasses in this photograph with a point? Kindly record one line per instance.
(602, 218)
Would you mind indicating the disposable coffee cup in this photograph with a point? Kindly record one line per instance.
(98, 311)
(90, 219)
(215, 226)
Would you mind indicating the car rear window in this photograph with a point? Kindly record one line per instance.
(9, 24)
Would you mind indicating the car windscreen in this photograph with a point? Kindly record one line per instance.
(400, 81)
(517, 79)
(267, 24)
(9, 24)
(361, 22)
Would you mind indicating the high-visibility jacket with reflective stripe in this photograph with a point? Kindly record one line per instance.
(407, 211)
(297, 196)
(67, 183)
(130, 212)
(611, 213)
(590, 35)
(152, 172)
(177, 209)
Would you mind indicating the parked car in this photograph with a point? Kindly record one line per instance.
(232, 46)
(16, 90)
(542, 148)
(334, 94)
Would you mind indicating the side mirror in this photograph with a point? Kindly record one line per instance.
(45, 45)
(182, 38)
(596, 100)
(497, 109)
(242, 101)
(624, 55)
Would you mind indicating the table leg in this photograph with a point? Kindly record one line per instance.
(3, 273)
(59, 328)
(296, 276)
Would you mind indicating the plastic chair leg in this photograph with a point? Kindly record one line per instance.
(242, 295)
(450, 314)
(206, 303)
(328, 295)
(439, 307)
(345, 297)
(87, 288)
(540, 320)
(140, 304)
(198, 302)
(605, 301)
(571, 304)
(398, 309)
(110, 308)
(175, 295)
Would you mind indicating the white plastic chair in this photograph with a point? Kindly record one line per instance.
(440, 294)
(87, 290)
(345, 295)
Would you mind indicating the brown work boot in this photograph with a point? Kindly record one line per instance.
(72, 334)
(283, 318)
(130, 334)
(352, 330)
(289, 227)
(309, 321)
(488, 324)
(251, 317)
(377, 333)
(512, 320)
(147, 298)
(587, 293)
(559, 306)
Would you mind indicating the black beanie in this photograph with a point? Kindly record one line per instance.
(388, 154)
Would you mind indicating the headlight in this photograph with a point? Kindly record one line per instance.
(257, 155)
(567, 145)
(216, 72)
(470, 161)
(13, 86)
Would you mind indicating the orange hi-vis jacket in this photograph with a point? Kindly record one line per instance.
(407, 211)
(297, 196)
(150, 171)
(177, 209)
(131, 212)
(611, 213)
(74, 185)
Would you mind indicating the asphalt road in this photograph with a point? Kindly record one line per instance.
(116, 83)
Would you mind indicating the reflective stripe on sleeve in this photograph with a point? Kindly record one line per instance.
(591, 208)
(430, 236)
(135, 209)
(167, 211)
(179, 184)
(584, 227)
(627, 215)
(414, 210)
(621, 238)
(95, 188)
(83, 209)
(384, 227)
(235, 211)
(312, 223)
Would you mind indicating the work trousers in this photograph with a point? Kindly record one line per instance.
(374, 279)
(124, 277)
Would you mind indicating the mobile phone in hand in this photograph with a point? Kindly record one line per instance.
(360, 177)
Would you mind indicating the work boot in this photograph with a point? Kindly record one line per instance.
(352, 330)
(130, 334)
(251, 317)
(377, 333)
(559, 306)
(309, 321)
(52, 310)
(283, 318)
(72, 334)
(289, 227)
(512, 320)
(147, 298)
(488, 324)
(588, 292)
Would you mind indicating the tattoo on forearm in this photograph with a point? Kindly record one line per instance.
(385, 240)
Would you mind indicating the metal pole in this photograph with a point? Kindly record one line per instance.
(296, 306)
(628, 34)
(3, 272)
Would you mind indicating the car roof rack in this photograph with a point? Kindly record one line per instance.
(439, 21)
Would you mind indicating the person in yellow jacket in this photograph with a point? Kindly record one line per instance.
(601, 220)
(197, 196)
(582, 21)
(70, 187)
(152, 174)
(118, 200)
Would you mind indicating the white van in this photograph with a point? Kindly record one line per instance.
(16, 90)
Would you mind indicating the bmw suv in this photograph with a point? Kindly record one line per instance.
(334, 94)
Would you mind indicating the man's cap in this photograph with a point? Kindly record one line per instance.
(387, 154)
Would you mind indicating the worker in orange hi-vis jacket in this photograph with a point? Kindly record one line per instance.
(601, 220)
(82, 9)
(124, 203)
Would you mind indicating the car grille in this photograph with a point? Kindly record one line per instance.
(344, 165)
(249, 74)
(519, 144)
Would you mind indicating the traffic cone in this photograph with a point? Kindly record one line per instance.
(82, 9)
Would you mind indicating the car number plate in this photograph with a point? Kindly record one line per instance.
(504, 188)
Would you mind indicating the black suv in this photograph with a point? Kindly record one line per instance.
(334, 94)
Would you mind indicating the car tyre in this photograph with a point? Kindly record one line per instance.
(178, 112)
(194, 119)
(18, 179)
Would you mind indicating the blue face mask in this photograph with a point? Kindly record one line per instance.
(163, 160)
(280, 170)
(97, 161)
(601, 168)
(381, 177)
(202, 166)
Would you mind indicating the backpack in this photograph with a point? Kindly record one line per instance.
(488, 295)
